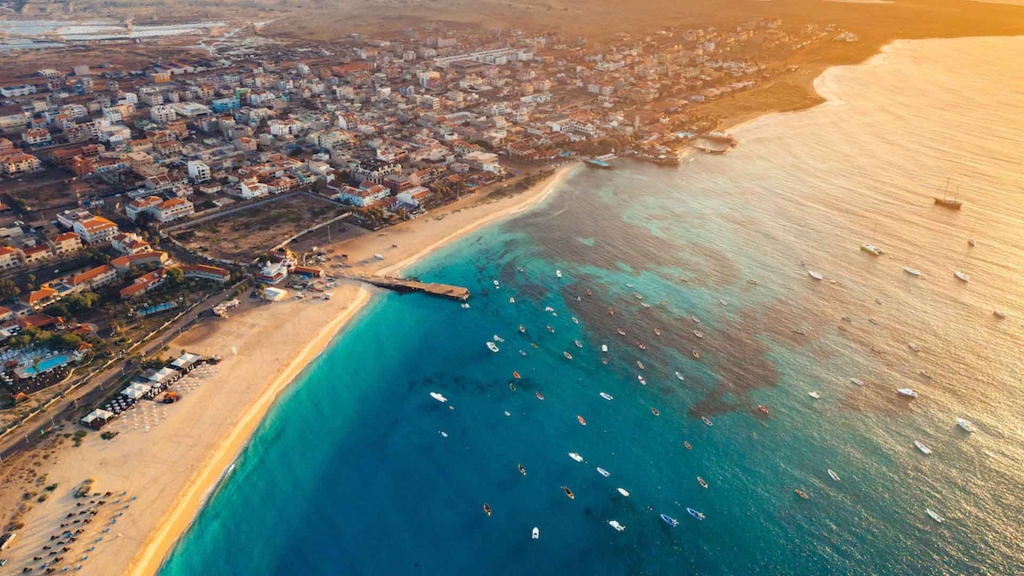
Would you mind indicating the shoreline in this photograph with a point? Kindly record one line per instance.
(540, 192)
(194, 496)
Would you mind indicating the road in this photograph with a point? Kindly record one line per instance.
(91, 394)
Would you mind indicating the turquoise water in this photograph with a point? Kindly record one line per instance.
(47, 364)
(350, 474)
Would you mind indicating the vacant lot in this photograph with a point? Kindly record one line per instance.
(243, 235)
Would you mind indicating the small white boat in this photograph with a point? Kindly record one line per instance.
(536, 533)
(723, 302)
(616, 525)
(698, 334)
(603, 472)
(437, 396)
(604, 347)
(498, 338)
(623, 492)
(575, 320)
(924, 449)
(512, 300)
(814, 395)
(871, 249)
(496, 283)
(607, 396)
(465, 304)
(833, 475)
(378, 256)
(645, 305)
(628, 285)
(638, 296)
(911, 271)
(856, 381)
(442, 433)
(680, 377)
(908, 392)
(935, 516)
(575, 456)
(578, 343)
(965, 424)
(962, 277)
(642, 380)
(998, 313)
(492, 346)
(913, 347)
(558, 273)
(706, 420)
(815, 275)
(549, 309)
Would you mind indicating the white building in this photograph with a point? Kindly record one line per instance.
(95, 230)
(198, 171)
(162, 114)
(252, 188)
(174, 209)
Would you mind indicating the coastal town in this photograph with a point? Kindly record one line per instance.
(123, 190)
(138, 203)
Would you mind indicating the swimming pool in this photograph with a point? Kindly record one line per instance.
(46, 364)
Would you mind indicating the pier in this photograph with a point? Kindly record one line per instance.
(403, 285)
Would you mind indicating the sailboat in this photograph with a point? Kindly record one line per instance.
(946, 201)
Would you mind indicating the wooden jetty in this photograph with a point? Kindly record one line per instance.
(404, 286)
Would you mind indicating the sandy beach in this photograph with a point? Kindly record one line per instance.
(168, 470)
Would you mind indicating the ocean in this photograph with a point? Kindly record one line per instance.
(350, 472)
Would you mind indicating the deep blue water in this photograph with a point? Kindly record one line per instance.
(349, 473)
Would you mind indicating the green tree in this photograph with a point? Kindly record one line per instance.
(58, 309)
(8, 289)
(65, 341)
(175, 276)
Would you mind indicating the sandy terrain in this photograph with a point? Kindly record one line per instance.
(167, 471)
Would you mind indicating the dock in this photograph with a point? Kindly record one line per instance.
(404, 286)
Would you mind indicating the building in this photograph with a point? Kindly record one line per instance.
(128, 244)
(36, 254)
(198, 171)
(37, 137)
(203, 272)
(144, 284)
(414, 197)
(140, 206)
(19, 163)
(272, 273)
(9, 258)
(68, 217)
(367, 194)
(14, 91)
(307, 272)
(67, 243)
(485, 161)
(125, 263)
(162, 114)
(174, 209)
(274, 294)
(95, 278)
(41, 298)
(95, 230)
(252, 188)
